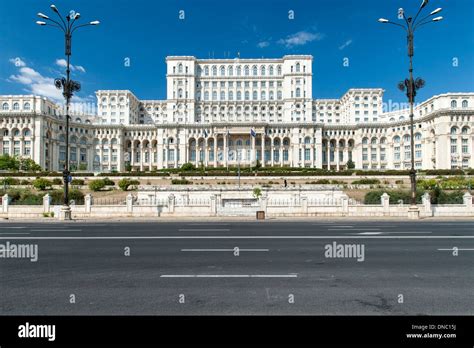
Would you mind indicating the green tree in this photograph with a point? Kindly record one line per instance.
(350, 164)
(8, 162)
(186, 167)
(42, 184)
(125, 183)
(257, 192)
(96, 185)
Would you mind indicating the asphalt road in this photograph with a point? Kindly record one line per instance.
(278, 261)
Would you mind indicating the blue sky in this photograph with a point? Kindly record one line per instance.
(147, 31)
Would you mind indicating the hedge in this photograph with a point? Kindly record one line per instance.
(438, 196)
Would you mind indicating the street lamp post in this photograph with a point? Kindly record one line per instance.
(411, 85)
(67, 85)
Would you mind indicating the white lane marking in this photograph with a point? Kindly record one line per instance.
(456, 249)
(371, 233)
(237, 237)
(208, 224)
(14, 233)
(54, 230)
(224, 249)
(13, 227)
(354, 229)
(229, 276)
(204, 230)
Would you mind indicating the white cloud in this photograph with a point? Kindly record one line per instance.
(263, 44)
(18, 62)
(63, 63)
(37, 84)
(345, 44)
(300, 38)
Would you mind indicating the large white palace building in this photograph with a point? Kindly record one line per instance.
(221, 112)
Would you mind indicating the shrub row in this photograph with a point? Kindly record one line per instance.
(437, 195)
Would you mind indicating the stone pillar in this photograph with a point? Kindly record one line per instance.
(171, 204)
(213, 205)
(304, 205)
(329, 155)
(215, 151)
(426, 199)
(129, 203)
(150, 157)
(263, 150)
(264, 202)
(336, 155)
(345, 204)
(142, 155)
(467, 200)
(206, 152)
(385, 201)
(46, 203)
(5, 203)
(225, 154)
(88, 202)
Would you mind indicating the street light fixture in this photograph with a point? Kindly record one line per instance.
(67, 85)
(411, 85)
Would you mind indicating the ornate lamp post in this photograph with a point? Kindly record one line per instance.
(67, 85)
(411, 85)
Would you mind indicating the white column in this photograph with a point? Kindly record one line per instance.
(263, 150)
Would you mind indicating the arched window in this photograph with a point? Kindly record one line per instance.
(26, 106)
(5, 106)
(298, 92)
(180, 68)
(465, 104)
(373, 141)
(206, 95)
(222, 71)
(231, 95)
(271, 70)
(78, 120)
(26, 132)
(264, 95)
(263, 71)
(417, 136)
(454, 104)
(307, 140)
(383, 141)
(231, 71)
(254, 70)
(454, 130)
(392, 119)
(247, 95)
(206, 71)
(180, 93)
(239, 95)
(254, 95)
(247, 70)
(396, 139)
(239, 70)
(365, 141)
(214, 95)
(222, 95)
(16, 106)
(214, 71)
(279, 70)
(271, 95)
(297, 67)
(465, 130)
(16, 133)
(406, 138)
(279, 96)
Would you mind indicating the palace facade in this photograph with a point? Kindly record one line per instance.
(224, 112)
